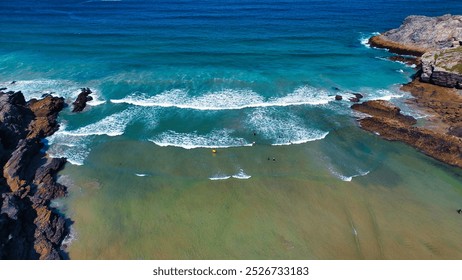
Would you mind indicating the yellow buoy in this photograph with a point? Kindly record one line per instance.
(214, 151)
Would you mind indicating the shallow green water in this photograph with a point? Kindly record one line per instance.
(290, 208)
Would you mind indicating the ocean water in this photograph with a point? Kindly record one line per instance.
(292, 177)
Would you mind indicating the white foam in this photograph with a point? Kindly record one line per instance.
(113, 125)
(381, 94)
(219, 177)
(75, 144)
(347, 178)
(364, 39)
(228, 99)
(63, 88)
(241, 175)
(214, 139)
(285, 129)
(384, 94)
(141, 174)
(70, 237)
(75, 152)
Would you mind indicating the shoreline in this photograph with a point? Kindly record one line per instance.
(440, 134)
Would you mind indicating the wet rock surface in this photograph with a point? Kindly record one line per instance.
(387, 121)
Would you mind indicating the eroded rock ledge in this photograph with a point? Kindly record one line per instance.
(29, 227)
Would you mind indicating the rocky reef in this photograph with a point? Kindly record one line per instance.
(387, 121)
(29, 227)
(436, 44)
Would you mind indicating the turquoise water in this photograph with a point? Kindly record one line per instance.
(187, 73)
(254, 80)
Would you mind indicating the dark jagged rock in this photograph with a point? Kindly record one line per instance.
(338, 97)
(47, 187)
(358, 95)
(408, 60)
(29, 227)
(354, 99)
(17, 171)
(81, 102)
(10, 206)
(456, 131)
(14, 116)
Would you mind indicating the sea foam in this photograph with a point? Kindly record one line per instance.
(63, 88)
(228, 99)
(283, 128)
(345, 177)
(215, 139)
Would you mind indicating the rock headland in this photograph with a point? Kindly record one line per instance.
(436, 44)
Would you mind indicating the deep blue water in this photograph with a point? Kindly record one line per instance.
(202, 73)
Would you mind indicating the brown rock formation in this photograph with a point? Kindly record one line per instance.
(381, 42)
(383, 109)
(444, 105)
(389, 123)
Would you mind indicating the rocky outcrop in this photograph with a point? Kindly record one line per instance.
(443, 67)
(387, 121)
(436, 39)
(419, 34)
(381, 42)
(81, 102)
(29, 227)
